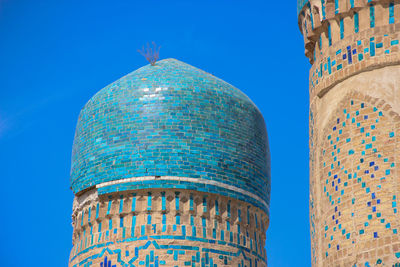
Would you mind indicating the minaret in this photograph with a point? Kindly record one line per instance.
(170, 167)
(353, 46)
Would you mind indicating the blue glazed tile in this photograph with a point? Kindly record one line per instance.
(172, 120)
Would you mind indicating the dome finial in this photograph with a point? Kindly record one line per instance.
(150, 52)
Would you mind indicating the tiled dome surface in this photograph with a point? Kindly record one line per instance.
(172, 120)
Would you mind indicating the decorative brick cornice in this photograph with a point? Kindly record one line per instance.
(316, 16)
(136, 216)
(343, 38)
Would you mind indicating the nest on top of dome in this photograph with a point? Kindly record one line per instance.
(151, 52)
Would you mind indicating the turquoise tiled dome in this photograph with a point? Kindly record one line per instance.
(163, 123)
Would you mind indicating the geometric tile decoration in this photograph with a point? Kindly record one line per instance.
(359, 200)
(168, 228)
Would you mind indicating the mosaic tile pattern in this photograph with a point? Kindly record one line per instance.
(168, 228)
(345, 59)
(359, 194)
(172, 120)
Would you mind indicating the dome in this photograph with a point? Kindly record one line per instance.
(172, 126)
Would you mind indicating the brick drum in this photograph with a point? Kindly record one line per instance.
(353, 46)
(170, 167)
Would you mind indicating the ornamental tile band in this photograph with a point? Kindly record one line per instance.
(125, 184)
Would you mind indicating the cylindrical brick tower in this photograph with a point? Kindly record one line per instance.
(170, 167)
(353, 46)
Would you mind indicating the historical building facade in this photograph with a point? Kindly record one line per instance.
(170, 167)
(353, 46)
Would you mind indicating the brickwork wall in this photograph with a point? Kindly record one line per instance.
(359, 187)
(353, 46)
(169, 228)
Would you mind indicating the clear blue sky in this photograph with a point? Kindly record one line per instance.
(54, 55)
